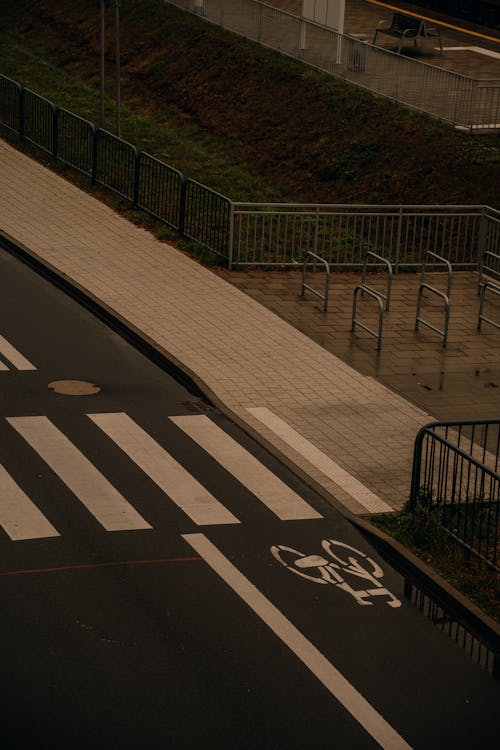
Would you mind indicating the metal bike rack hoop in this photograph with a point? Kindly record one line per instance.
(379, 260)
(376, 295)
(304, 286)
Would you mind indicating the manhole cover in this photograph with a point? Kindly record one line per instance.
(74, 387)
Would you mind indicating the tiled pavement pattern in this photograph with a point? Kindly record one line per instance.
(245, 354)
(459, 382)
(363, 16)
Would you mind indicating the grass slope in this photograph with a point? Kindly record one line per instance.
(242, 119)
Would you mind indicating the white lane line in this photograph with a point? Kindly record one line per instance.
(202, 507)
(332, 679)
(479, 50)
(14, 357)
(358, 491)
(275, 494)
(19, 517)
(83, 479)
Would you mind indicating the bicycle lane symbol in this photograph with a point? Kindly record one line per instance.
(339, 562)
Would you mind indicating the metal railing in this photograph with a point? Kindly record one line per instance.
(465, 102)
(184, 204)
(456, 477)
(250, 234)
(281, 234)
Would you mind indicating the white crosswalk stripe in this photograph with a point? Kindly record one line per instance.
(275, 494)
(19, 517)
(17, 360)
(202, 507)
(79, 474)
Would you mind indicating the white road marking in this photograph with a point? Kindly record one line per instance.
(275, 494)
(20, 518)
(479, 50)
(3, 366)
(358, 491)
(202, 507)
(79, 474)
(14, 357)
(326, 673)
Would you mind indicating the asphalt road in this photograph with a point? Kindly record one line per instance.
(161, 588)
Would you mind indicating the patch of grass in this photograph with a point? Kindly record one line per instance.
(166, 135)
(242, 119)
(420, 531)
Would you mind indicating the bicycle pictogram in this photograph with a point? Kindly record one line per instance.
(340, 561)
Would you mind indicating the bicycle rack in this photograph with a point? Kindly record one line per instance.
(304, 286)
(490, 264)
(484, 288)
(379, 260)
(377, 296)
(446, 297)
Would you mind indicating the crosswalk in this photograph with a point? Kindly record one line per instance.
(16, 360)
(21, 518)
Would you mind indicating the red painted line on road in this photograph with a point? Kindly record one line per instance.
(87, 566)
(435, 20)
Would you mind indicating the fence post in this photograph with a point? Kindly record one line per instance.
(415, 472)
(22, 129)
(182, 205)
(398, 238)
(94, 154)
(137, 177)
(231, 235)
(316, 230)
(481, 242)
(55, 131)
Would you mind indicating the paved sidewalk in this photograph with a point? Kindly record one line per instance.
(245, 355)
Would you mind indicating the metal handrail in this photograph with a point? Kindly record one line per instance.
(453, 478)
(304, 286)
(381, 261)
(376, 295)
(496, 290)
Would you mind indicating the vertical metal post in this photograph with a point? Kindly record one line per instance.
(101, 111)
(117, 39)
(398, 238)
(22, 125)
(182, 205)
(481, 244)
(137, 177)
(316, 230)
(231, 236)
(55, 131)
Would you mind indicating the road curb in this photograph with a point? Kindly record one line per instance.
(455, 604)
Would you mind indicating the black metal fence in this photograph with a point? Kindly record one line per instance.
(456, 476)
(148, 183)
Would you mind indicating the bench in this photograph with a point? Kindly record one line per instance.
(408, 27)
